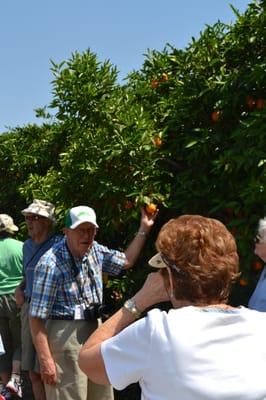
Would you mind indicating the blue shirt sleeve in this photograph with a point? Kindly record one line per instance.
(112, 261)
(44, 287)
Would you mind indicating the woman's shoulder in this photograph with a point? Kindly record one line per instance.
(160, 318)
(157, 313)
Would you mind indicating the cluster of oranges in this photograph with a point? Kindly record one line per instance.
(150, 208)
(251, 103)
(155, 82)
(255, 103)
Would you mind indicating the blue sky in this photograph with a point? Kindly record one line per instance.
(33, 32)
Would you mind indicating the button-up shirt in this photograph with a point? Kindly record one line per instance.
(57, 289)
(258, 299)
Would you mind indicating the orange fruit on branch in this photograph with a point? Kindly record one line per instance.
(128, 205)
(154, 83)
(151, 208)
(250, 102)
(215, 116)
(260, 104)
(243, 282)
(157, 141)
(257, 265)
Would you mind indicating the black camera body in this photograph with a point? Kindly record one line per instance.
(94, 311)
(91, 313)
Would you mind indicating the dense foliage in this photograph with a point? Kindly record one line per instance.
(186, 131)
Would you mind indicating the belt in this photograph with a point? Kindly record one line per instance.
(71, 318)
(62, 317)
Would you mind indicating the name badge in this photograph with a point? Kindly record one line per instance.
(79, 312)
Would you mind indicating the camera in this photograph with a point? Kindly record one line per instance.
(91, 313)
(94, 311)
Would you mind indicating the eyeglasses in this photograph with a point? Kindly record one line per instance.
(170, 263)
(33, 217)
(259, 239)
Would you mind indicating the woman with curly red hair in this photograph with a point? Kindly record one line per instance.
(202, 349)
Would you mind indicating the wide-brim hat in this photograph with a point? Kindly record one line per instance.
(78, 215)
(42, 208)
(161, 261)
(157, 261)
(7, 224)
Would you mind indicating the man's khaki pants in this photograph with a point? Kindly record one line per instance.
(66, 339)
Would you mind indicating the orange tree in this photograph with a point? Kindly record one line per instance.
(110, 155)
(208, 108)
(27, 155)
(186, 131)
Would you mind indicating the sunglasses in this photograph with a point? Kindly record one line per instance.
(33, 217)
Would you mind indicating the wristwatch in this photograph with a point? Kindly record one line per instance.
(130, 306)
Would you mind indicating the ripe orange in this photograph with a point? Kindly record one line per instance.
(151, 208)
(128, 205)
(154, 83)
(243, 282)
(257, 265)
(157, 141)
(260, 104)
(215, 116)
(250, 102)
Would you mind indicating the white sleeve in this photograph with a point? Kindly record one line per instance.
(126, 355)
(2, 350)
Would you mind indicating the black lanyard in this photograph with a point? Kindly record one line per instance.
(75, 272)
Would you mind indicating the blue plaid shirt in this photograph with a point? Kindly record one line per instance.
(56, 290)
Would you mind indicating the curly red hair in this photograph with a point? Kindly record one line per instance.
(205, 253)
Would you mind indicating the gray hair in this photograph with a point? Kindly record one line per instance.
(262, 229)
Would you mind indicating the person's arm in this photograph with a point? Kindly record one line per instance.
(90, 358)
(133, 250)
(40, 340)
(44, 291)
(19, 293)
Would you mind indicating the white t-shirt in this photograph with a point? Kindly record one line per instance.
(258, 299)
(191, 354)
(2, 350)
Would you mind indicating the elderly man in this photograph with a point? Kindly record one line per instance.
(10, 328)
(40, 218)
(65, 301)
(258, 299)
